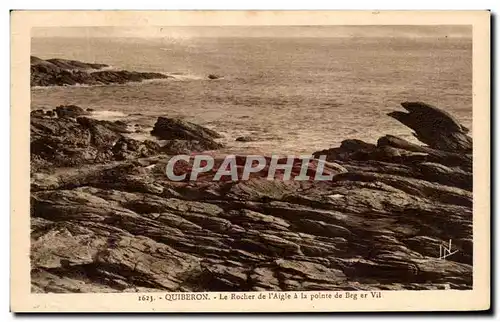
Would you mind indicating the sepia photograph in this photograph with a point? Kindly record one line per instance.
(282, 162)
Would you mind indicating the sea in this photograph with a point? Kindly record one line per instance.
(292, 95)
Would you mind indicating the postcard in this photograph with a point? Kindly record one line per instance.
(250, 161)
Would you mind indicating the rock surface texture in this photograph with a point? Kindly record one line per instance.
(60, 72)
(106, 218)
(183, 136)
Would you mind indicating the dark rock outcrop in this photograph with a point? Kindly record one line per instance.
(435, 127)
(69, 139)
(245, 139)
(64, 64)
(123, 226)
(59, 72)
(38, 112)
(359, 233)
(66, 142)
(173, 147)
(213, 76)
(351, 149)
(70, 111)
(393, 155)
(176, 129)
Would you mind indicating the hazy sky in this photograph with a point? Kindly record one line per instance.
(256, 31)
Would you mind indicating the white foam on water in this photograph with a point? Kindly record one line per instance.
(66, 85)
(91, 70)
(108, 115)
(182, 77)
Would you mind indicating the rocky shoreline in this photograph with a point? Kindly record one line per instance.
(105, 217)
(64, 72)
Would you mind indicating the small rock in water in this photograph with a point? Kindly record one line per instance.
(245, 139)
